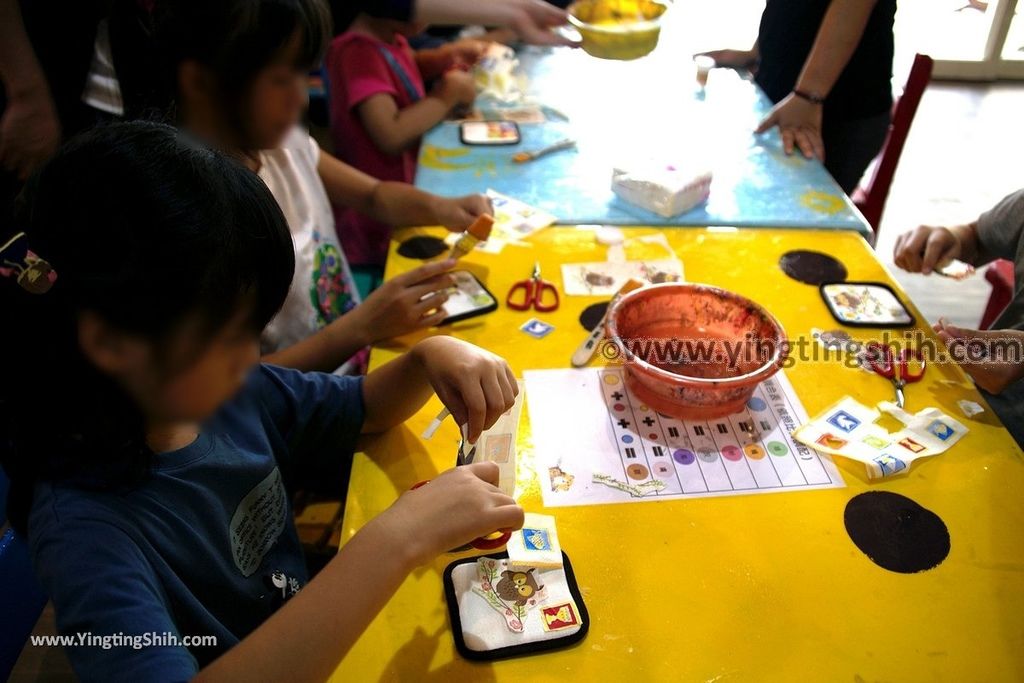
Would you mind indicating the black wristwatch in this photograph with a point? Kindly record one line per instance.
(810, 97)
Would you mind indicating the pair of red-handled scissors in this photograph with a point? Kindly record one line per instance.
(895, 366)
(489, 542)
(533, 293)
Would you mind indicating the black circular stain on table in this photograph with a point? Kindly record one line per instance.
(812, 267)
(895, 532)
(592, 315)
(422, 247)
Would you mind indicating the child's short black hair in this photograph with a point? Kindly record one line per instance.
(237, 39)
(150, 231)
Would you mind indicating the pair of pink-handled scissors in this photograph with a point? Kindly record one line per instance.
(895, 367)
(489, 542)
(533, 293)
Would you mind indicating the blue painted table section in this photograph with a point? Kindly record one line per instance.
(647, 108)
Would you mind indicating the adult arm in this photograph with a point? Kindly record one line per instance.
(798, 118)
(29, 128)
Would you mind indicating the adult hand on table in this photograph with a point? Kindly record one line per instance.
(29, 131)
(475, 385)
(458, 213)
(450, 510)
(799, 122)
(408, 302)
(993, 358)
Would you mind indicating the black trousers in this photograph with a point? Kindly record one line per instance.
(850, 145)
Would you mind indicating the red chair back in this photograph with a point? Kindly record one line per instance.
(870, 197)
(1000, 275)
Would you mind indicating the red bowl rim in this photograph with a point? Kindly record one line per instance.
(768, 369)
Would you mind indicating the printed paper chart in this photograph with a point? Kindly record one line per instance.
(596, 443)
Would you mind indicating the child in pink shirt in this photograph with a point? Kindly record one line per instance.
(380, 109)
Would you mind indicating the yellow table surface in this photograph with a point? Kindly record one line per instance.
(744, 587)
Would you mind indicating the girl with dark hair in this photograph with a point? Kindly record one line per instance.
(235, 74)
(151, 457)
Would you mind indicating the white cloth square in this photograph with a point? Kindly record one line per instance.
(485, 629)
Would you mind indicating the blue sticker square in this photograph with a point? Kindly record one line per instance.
(940, 430)
(537, 328)
(890, 464)
(536, 539)
(844, 421)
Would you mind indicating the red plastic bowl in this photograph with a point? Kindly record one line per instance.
(695, 351)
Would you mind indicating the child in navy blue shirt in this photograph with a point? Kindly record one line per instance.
(152, 458)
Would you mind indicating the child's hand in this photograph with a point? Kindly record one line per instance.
(398, 306)
(466, 52)
(993, 358)
(454, 508)
(475, 385)
(925, 249)
(458, 213)
(456, 88)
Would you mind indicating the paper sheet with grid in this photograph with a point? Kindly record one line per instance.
(597, 443)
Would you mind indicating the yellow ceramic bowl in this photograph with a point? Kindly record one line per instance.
(617, 29)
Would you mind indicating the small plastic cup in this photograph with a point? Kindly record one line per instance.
(704, 66)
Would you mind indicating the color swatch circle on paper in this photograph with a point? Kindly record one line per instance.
(756, 403)
(753, 451)
(626, 438)
(707, 456)
(732, 453)
(611, 379)
(683, 456)
(637, 471)
(777, 448)
(663, 469)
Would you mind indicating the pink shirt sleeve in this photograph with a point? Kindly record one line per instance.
(358, 70)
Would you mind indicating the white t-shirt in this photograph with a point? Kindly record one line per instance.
(322, 288)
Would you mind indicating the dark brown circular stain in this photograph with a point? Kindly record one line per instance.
(812, 267)
(592, 315)
(895, 532)
(422, 247)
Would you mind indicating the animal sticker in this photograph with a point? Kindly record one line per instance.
(844, 421)
(517, 587)
(560, 479)
(511, 593)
